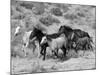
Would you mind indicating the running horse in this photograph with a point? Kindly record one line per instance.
(37, 35)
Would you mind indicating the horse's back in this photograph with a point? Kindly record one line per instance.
(60, 41)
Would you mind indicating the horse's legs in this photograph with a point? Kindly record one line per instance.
(24, 48)
(38, 49)
(67, 48)
(76, 48)
(64, 51)
(42, 49)
(44, 53)
(69, 45)
(90, 46)
(56, 52)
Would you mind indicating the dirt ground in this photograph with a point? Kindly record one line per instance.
(29, 14)
(34, 65)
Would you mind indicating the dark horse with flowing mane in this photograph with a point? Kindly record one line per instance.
(68, 31)
(36, 34)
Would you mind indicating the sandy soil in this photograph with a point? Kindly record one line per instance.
(34, 65)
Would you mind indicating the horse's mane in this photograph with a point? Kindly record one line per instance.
(36, 33)
(36, 30)
(68, 28)
(54, 35)
(81, 33)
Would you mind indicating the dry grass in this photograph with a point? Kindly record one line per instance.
(34, 64)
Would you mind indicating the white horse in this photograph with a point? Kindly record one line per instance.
(57, 43)
(26, 41)
(17, 30)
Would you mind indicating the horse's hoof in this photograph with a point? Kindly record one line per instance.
(40, 56)
(43, 59)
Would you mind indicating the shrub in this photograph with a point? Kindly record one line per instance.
(56, 12)
(81, 14)
(27, 5)
(70, 16)
(49, 20)
(64, 7)
(19, 17)
(38, 10)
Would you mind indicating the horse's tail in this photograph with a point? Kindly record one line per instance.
(91, 40)
(92, 43)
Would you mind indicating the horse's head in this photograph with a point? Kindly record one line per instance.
(65, 29)
(34, 33)
(17, 30)
(44, 40)
(61, 29)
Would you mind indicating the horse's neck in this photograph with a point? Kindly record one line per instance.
(39, 38)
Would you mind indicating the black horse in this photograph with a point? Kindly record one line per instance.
(68, 31)
(37, 34)
(80, 34)
(84, 44)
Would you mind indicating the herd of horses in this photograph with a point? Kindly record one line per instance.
(65, 39)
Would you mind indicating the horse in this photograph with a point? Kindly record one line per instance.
(84, 44)
(17, 30)
(73, 35)
(81, 33)
(68, 31)
(37, 35)
(81, 39)
(45, 45)
(55, 44)
(26, 41)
